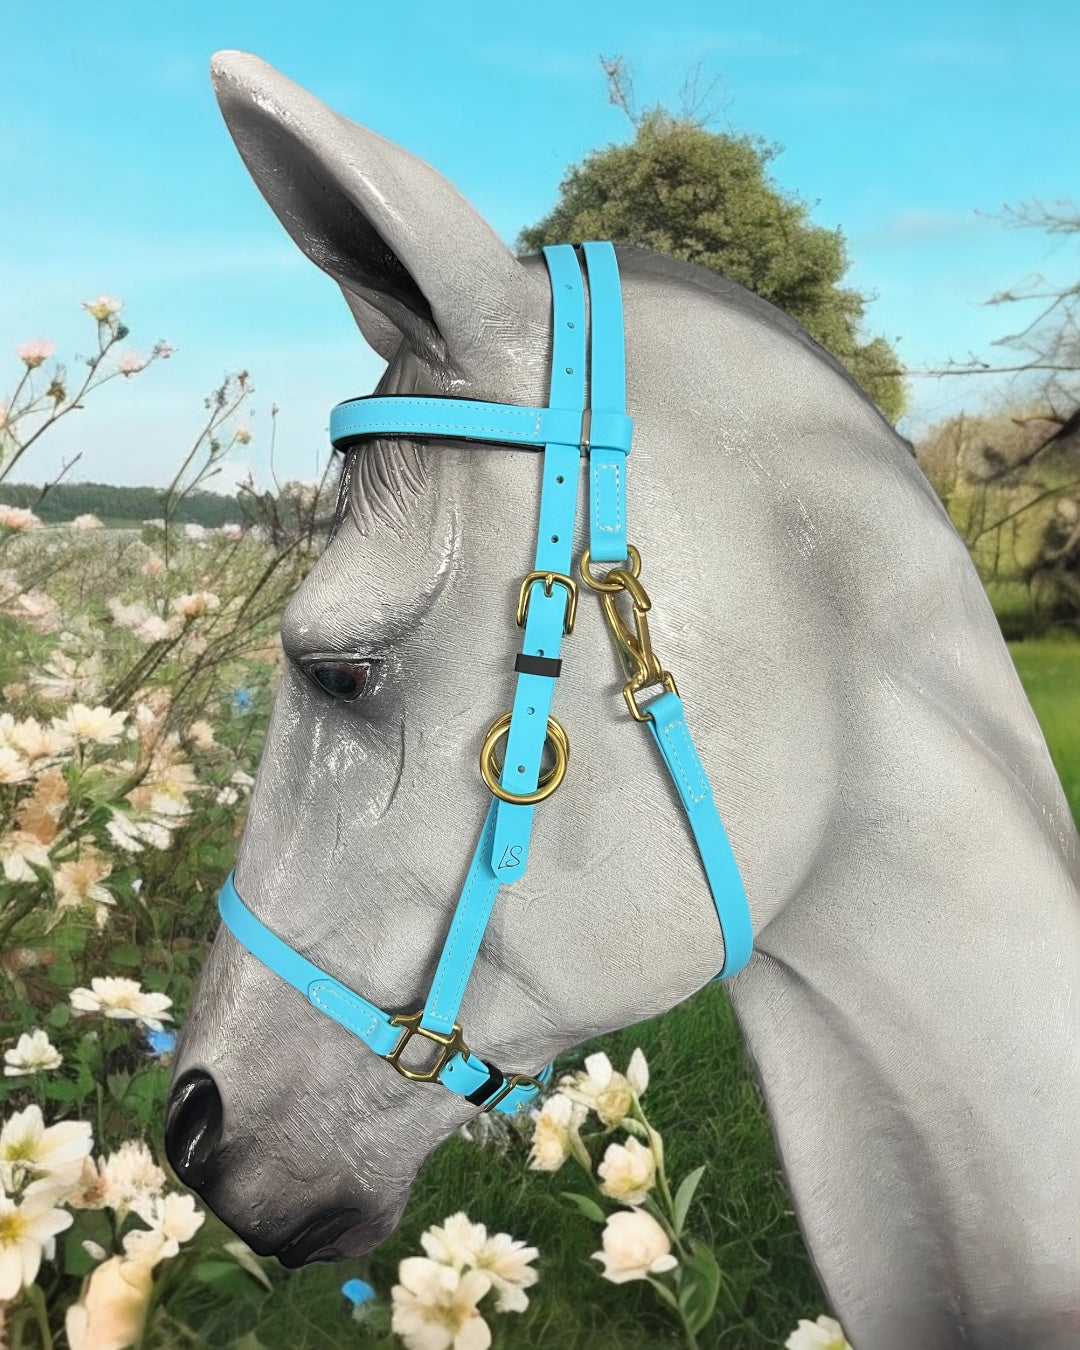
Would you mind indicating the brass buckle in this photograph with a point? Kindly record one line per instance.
(490, 769)
(508, 1087)
(549, 579)
(411, 1022)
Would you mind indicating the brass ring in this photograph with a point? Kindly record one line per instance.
(610, 586)
(490, 770)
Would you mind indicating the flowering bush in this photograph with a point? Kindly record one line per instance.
(122, 770)
(648, 1239)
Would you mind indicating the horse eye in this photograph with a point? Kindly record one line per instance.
(341, 679)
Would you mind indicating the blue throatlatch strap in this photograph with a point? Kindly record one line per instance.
(667, 722)
(563, 430)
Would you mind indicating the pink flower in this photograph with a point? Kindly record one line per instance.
(243, 435)
(18, 518)
(130, 363)
(164, 350)
(35, 352)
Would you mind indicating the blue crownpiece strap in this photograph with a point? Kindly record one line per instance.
(607, 457)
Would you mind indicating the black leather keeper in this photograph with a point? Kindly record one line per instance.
(538, 665)
(488, 1089)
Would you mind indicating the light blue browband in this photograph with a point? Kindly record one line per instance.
(546, 610)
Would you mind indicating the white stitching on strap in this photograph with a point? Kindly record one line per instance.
(597, 524)
(688, 750)
(316, 994)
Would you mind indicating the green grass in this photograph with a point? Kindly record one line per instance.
(1049, 669)
(702, 1099)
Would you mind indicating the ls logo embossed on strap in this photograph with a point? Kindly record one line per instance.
(546, 612)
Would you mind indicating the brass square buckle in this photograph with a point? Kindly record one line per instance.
(550, 580)
(452, 1045)
(508, 1087)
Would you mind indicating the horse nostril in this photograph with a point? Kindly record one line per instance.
(193, 1131)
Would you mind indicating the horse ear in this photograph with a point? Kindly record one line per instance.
(410, 254)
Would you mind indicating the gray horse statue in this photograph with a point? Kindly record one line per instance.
(909, 858)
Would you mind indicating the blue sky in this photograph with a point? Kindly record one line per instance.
(909, 126)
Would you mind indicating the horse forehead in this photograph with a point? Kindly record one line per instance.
(375, 582)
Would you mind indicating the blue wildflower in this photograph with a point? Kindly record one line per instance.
(242, 702)
(357, 1292)
(161, 1043)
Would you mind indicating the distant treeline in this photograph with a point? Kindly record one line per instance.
(113, 504)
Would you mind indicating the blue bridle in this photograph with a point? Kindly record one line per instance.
(546, 610)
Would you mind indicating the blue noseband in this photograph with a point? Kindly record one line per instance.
(546, 611)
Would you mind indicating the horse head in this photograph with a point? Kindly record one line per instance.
(843, 673)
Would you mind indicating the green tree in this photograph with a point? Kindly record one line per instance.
(705, 197)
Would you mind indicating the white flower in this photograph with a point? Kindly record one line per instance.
(601, 1089)
(125, 999)
(506, 1263)
(435, 1306)
(27, 1227)
(98, 724)
(226, 797)
(78, 882)
(127, 616)
(192, 605)
(35, 352)
(201, 734)
(628, 1171)
(130, 1177)
(34, 740)
(551, 1139)
(70, 677)
(18, 518)
(634, 1246)
(232, 531)
(193, 530)
(824, 1334)
(130, 363)
(154, 629)
(33, 1053)
(87, 522)
(32, 1151)
(111, 1311)
(124, 833)
(13, 768)
(173, 1217)
(18, 850)
(104, 308)
(456, 1243)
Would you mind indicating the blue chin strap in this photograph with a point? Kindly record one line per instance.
(547, 609)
